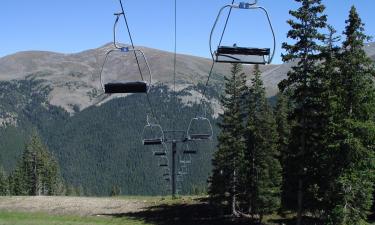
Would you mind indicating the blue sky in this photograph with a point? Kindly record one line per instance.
(71, 26)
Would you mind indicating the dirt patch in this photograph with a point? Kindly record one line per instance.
(72, 205)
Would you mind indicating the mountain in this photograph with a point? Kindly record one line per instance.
(74, 78)
(97, 138)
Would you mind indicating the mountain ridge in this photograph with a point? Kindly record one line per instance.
(74, 77)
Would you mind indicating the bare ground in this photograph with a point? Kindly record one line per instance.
(79, 206)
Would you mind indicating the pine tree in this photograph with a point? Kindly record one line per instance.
(262, 167)
(4, 188)
(302, 163)
(283, 131)
(115, 191)
(354, 130)
(37, 172)
(228, 158)
(17, 182)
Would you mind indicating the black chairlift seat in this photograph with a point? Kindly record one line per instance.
(156, 141)
(226, 54)
(189, 152)
(160, 153)
(200, 136)
(126, 87)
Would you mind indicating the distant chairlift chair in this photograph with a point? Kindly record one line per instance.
(163, 161)
(199, 129)
(135, 86)
(153, 134)
(243, 55)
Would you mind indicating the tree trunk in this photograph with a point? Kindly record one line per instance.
(300, 200)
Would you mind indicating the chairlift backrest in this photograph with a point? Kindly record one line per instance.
(244, 55)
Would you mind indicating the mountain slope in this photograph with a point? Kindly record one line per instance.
(74, 78)
(99, 145)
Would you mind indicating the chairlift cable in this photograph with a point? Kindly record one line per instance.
(213, 61)
(136, 58)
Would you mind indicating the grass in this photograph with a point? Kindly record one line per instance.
(17, 218)
(186, 210)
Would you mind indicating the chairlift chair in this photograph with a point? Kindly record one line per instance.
(185, 158)
(134, 86)
(199, 129)
(189, 150)
(167, 172)
(183, 170)
(163, 161)
(160, 153)
(237, 54)
(153, 134)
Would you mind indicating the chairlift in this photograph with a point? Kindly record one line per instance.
(160, 153)
(237, 54)
(199, 128)
(163, 161)
(153, 134)
(167, 172)
(185, 158)
(124, 54)
(183, 170)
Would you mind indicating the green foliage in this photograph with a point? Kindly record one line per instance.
(247, 173)
(115, 191)
(262, 168)
(4, 184)
(22, 218)
(37, 172)
(331, 147)
(353, 140)
(228, 159)
(306, 85)
(100, 145)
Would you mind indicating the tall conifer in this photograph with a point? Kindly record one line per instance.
(354, 139)
(4, 188)
(304, 84)
(227, 161)
(262, 167)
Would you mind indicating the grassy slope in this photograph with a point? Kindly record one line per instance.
(160, 211)
(16, 218)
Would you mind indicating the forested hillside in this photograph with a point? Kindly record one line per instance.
(100, 146)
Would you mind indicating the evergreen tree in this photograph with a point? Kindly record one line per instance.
(302, 163)
(37, 172)
(354, 130)
(262, 167)
(3, 183)
(228, 158)
(70, 190)
(17, 182)
(115, 191)
(283, 131)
